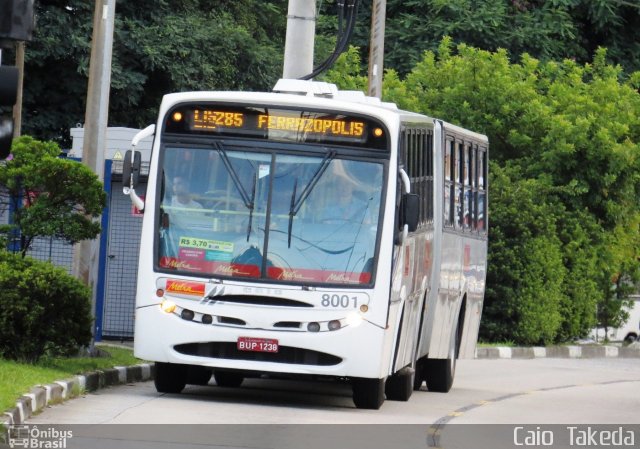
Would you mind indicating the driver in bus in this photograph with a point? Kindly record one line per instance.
(342, 205)
(347, 201)
(181, 196)
(182, 207)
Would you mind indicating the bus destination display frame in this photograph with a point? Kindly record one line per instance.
(278, 124)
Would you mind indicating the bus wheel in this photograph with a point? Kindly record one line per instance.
(198, 375)
(170, 377)
(439, 373)
(399, 386)
(419, 377)
(228, 379)
(631, 338)
(368, 393)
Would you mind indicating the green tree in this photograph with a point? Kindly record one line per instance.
(581, 250)
(526, 271)
(545, 29)
(577, 123)
(54, 196)
(159, 47)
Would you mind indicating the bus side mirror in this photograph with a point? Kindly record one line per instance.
(131, 169)
(410, 211)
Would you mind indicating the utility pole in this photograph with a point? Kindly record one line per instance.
(17, 109)
(85, 263)
(376, 47)
(300, 38)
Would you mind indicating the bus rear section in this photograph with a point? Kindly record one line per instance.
(439, 278)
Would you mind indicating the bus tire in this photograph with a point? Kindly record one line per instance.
(439, 373)
(228, 379)
(368, 393)
(419, 377)
(399, 386)
(198, 375)
(170, 377)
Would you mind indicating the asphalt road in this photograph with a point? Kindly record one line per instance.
(485, 391)
(538, 393)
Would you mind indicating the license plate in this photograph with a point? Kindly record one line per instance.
(257, 344)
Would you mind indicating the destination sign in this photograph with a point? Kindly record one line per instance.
(276, 124)
(332, 127)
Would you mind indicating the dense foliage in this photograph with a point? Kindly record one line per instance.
(546, 29)
(160, 46)
(49, 196)
(43, 310)
(565, 179)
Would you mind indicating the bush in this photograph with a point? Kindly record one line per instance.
(43, 310)
(526, 272)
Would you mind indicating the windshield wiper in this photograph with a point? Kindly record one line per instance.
(253, 198)
(248, 202)
(296, 205)
(291, 208)
(234, 176)
(314, 180)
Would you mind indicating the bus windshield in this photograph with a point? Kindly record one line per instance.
(230, 210)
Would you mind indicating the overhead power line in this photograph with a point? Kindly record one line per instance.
(347, 16)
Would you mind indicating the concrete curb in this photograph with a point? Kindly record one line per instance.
(563, 352)
(42, 396)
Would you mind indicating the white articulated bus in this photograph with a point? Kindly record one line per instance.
(309, 232)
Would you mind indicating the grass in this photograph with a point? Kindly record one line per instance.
(508, 343)
(18, 378)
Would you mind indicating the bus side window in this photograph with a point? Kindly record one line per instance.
(420, 169)
(459, 169)
(482, 189)
(448, 182)
(468, 192)
(429, 174)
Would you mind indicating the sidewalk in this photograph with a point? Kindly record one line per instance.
(45, 395)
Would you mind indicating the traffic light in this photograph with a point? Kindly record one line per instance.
(16, 24)
(8, 93)
(16, 20)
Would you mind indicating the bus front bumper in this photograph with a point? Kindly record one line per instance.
(354, 350)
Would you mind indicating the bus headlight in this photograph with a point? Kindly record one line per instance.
(354, 319)
(168, 306)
